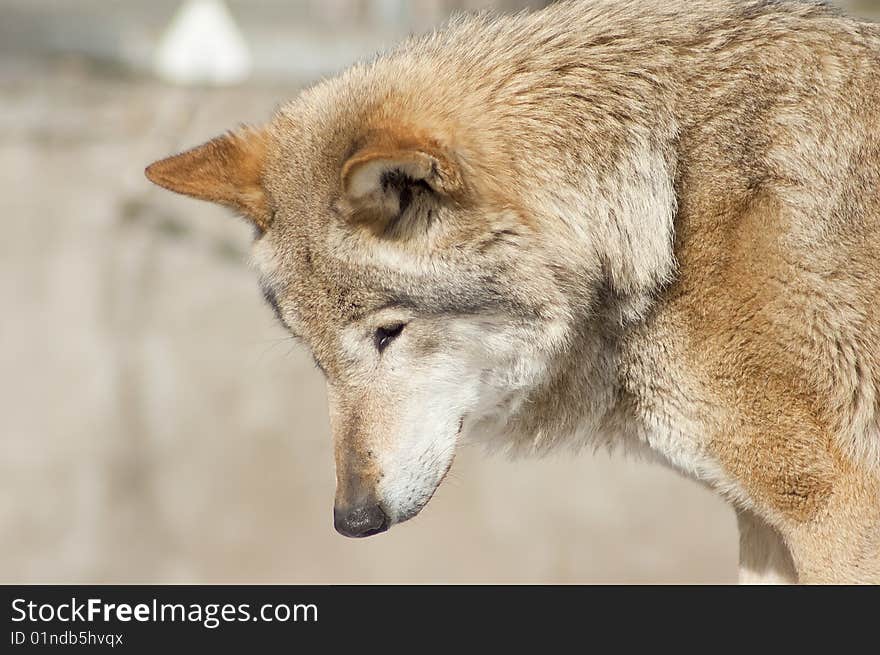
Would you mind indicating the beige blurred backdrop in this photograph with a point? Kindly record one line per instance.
(155, 423)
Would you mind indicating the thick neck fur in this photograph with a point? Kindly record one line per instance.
(630, 135)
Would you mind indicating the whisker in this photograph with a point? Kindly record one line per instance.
(270, 344)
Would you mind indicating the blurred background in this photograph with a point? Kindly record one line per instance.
(155, 424)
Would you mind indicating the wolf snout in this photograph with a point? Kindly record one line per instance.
(360, 520)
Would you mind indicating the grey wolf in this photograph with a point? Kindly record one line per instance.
(645, 225)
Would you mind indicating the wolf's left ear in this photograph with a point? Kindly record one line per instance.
(227, 170)
(383, 177)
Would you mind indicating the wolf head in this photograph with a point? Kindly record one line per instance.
(425, 237)
(418, 293)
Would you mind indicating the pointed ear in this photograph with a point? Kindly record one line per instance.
(381, 179)
(227, 170)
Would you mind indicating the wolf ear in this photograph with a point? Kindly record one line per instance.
(380, 180)
(227, 170)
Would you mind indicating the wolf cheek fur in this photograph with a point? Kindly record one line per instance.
(652, 224)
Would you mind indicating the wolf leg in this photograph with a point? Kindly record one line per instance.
(763, 556)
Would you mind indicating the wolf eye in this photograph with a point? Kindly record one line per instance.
(385, 335)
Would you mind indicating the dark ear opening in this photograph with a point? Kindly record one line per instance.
(381, 179)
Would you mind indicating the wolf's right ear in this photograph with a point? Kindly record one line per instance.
(227, 170)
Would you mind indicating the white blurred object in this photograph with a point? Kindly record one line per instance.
(203, 45)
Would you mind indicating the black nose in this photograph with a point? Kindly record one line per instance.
(360, 521)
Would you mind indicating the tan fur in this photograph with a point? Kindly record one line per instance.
(226, 170)
(764, 557)
(646, 224)
(418, 157)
